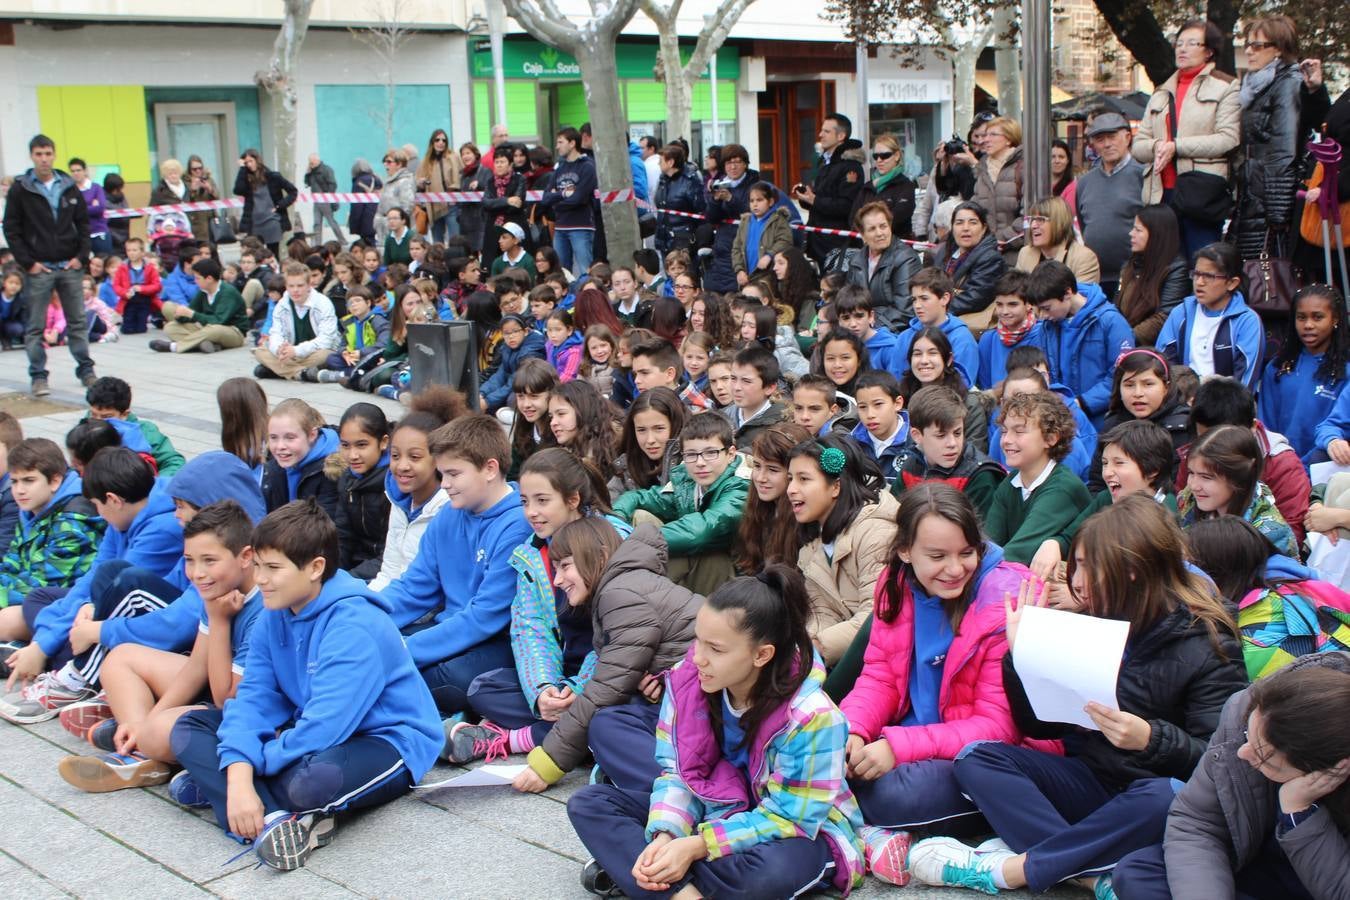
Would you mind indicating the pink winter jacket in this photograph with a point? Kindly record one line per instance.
(971, 701)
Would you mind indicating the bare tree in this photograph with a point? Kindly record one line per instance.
(680, 77)
(386, 34)
(591, 42)
(278, 81)
(1008, 62)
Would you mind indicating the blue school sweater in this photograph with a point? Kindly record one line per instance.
(881, 350)
(964, 349)
(1295, 403)
(1238, 344)
(338, 668)
(1083, 349)
(994, 354)
(153, 542)
(463, 568)
(206, 479)
(1337, 422)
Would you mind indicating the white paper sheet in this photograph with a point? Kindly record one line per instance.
(1067, 660)
(483, 776)
(1320, 473)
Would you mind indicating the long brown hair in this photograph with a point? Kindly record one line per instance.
(1301, 714)
(259, 175)
(1235, 456)
(1135, 557)
(590, 542)
(243, 419)
(643, 471)
(597, 424)
(768, 532)
(1142, 277)
(931, 498)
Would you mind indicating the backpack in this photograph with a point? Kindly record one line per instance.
(1290, 620)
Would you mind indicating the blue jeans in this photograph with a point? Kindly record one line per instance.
(1194, 233)
(574, 247)
(447, 226)
(362, 771)
(450, 678)
(612, 823)
(38, 289)
(1056, 811)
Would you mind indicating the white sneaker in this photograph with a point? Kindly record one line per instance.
(946, 862)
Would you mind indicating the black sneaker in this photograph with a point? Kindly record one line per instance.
(208, 346)
(40, 388)
(597, 881)
(161, 346)
(261, 371)
(286, 844)
(310, 375)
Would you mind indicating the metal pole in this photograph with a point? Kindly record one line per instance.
(1036, 101)
(496, 12)
(861, 129)
(712, 75)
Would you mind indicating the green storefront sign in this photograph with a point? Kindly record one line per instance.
(531, 59)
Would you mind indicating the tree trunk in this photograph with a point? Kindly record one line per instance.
(609, 125)
(1224, 13)
(1007, 63)
(1135, 26)
(679, 91)
(278, 81)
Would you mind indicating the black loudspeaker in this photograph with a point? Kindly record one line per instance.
(444, 353)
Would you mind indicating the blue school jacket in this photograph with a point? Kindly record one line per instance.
(994, 354)
(1237, 344)
(463, 569)
(964, 350)
(1337, 422)
(1295, 403)
(338, 668)
(881, 349)
(888, 460)
(1083, 350)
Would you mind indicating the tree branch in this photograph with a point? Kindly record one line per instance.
(613, 19)
(714, 34)
(544, 26)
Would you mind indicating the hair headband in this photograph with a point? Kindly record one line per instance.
(1167, 372)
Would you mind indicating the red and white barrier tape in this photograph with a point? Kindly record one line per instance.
(619, 196)
(918, 245)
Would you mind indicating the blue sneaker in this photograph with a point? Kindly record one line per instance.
(184, 791)
(946, 862)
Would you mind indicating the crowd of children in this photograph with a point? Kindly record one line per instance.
(763, 557)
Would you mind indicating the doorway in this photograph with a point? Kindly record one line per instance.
(204, 129)
(790, 114)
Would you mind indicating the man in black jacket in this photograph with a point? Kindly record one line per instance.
(319, 178)
(47, 226)
(838, 180)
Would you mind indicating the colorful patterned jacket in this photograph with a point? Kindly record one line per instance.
(797, 784)
(53, 548)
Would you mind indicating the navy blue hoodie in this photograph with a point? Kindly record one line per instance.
(574, 210)
(497, 389)
(336, 669)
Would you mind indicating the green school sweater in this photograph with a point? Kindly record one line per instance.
(228, 309)
(1020, 526)
(1101, 501)
(166, 456)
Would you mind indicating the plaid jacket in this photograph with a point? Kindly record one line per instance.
(53, 548)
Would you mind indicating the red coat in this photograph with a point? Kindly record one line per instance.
(149, 287)
(972, 702)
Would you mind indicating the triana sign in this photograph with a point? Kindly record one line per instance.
(524, 58)
(908, 90)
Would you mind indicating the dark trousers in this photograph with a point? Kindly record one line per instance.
(118, 590)
(497, 697)
(68, 284)
(612, 824)
(1056, 811)
(1143, 876)
(450, 678)
(136, 315)
(362, 771)
(917, 796)
(12, 332)
(623, 741)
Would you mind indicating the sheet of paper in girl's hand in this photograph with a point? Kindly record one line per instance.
(483, 776)
(1067, 660)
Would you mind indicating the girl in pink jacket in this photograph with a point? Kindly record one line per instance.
(932, 678)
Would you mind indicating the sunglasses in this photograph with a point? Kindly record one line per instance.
(1260, 45)
(882, 154)
(388, 162)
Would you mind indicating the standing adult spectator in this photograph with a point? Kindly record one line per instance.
(998, 184)
(728, 200)
(1108, 196)
(439, 173)
(361, 216)
(1061, 170)
(95, 202)
(651, 159)
(838, 181)
(889, 185)
(1273, 93)
(472, 169)
(267, 197)
(201, 189)
(680, 188)
(119, 228)
(503, 203)
(1191, 124)
(399, 188)
(952, 177)
(569, 198)
(884, 265)
(319, 179)
(171, 189)
(497, 137)
(47, 229)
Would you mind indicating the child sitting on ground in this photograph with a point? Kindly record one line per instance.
(937, 450)
(364, 331)
(109, 399)
(884, 427)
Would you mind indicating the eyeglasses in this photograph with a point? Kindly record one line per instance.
(1206, 277)
(388, 162)
(1187, 45)
(882, 154)
(1035, 220)
(1260, 45)
(194, 168)
(694, 456)
(684, 287)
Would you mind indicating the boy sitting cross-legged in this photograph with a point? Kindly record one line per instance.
(700, 508)
(1041, 496)
(331, 713)
(148, 689)
(937, 449)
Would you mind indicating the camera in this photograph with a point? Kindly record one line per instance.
(722, 184)
(955, 146)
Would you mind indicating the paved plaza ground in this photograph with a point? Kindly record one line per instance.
(458, 843)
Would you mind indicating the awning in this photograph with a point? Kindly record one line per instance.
(987, 81)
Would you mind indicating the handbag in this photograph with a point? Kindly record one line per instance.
(1202, 196)
(421, 220)
(1272, 281)
(220, 230)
